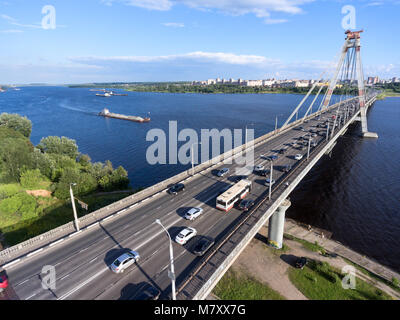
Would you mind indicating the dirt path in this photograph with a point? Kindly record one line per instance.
(261, 262)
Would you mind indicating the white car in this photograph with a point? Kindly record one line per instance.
(258, 167)
(185, 235)
(193, 213)
(267, 182)
(298, 156)
(124, 261)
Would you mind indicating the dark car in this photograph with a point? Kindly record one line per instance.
(264, 172)
(301, 262)
(282, 151)
(176, 188)
(148, 292)
(203, 245)
(287, 168)
(246, 204)
(272, 158)
(238, 178)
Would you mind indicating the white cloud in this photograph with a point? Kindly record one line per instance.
(15, 22)
(174, 24)
(198, 56)
(260, 8)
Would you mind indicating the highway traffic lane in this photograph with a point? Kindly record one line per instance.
(284, 139)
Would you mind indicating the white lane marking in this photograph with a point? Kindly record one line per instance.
(63, 297)
(56, 242)
(123, 210)
(34, 252)
(109, 217)
(93, 225)
(74, 234)
(31, 296)
(11, 263)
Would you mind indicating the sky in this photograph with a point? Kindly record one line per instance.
(184, 40)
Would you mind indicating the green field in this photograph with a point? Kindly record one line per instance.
(320, 281)
(233, 286)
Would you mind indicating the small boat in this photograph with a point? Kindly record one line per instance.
(103, 94)
(106, 113)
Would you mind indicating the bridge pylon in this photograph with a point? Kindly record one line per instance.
(350, 65)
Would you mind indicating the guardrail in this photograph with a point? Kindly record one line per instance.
(15, 251)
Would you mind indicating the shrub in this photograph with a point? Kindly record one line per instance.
(31, 179)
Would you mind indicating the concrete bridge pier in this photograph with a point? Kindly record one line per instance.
(276, 225)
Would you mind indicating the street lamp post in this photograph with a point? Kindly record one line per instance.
(327, 132)
(73, 205)
(309, 145)
(171, 274)
(270, 179)
(193, 156)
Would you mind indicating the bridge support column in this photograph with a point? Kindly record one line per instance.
(276, 225)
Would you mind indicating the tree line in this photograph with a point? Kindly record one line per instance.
(55, 159)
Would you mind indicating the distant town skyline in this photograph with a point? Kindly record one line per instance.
(185, 40)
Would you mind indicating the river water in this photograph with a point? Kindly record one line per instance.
(355, 193)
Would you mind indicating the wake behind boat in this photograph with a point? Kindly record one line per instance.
(106, 113)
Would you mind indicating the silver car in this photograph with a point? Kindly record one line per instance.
(124, 261)
(193, 213)
(185, 235)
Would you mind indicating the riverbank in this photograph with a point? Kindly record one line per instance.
(297, 231)
(262, 272)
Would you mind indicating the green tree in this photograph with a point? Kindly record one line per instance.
(14, 158)
(31, 178)
(61, 146)
(17, 123)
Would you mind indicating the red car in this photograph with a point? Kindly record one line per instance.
(3, 282)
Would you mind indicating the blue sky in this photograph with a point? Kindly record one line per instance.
(171, 40)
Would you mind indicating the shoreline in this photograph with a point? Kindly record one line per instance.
(295, 229)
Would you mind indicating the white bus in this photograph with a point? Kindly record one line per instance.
(227, 200)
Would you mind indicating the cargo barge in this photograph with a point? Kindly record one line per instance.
(106, 113)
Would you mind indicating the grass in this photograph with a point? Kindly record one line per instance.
(320, 281)
(54, 214)
(235, 286)
(306, 244)
(394, 284)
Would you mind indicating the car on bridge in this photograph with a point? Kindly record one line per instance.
(298, 156)
(222, 172)
(185, 235)
(3, 282)
(258, 168)
(264, 172)
(283, 150)
(287, 168)
(175, 189)
(124, 261)
(148, 292)
(246, 204)
(272, 158)
(195, 212)
(203, 245)
(268, 182)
